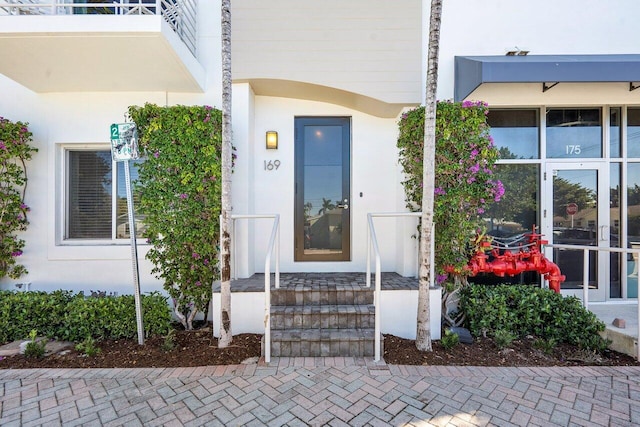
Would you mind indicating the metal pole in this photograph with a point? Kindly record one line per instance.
(134, 253)
(585, 279)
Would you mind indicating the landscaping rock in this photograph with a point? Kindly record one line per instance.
(463, 335)
(17, 347)
(619, 323)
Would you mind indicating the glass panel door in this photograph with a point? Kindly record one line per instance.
(322, 166)
(576, 214)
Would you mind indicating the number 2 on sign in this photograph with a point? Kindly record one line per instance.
(573, 149)
(271, 165)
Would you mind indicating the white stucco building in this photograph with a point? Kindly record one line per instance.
(331, 78)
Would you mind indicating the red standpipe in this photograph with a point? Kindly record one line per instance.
(509, 263)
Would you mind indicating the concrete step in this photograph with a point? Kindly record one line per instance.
(323, 342)
(322, 316)
(335, 294)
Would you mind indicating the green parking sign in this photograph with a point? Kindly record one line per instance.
(124, 141)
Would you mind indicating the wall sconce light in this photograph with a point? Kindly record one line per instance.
(272, 140)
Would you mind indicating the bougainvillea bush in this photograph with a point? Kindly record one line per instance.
(179, 184)
(15, 151)
(464, 183)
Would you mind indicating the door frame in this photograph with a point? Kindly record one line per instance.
(603, 221)
(298, 231)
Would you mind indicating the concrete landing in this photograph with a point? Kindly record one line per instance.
(623, 340)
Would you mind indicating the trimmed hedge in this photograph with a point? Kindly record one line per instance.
(66, 316)
(527, 310)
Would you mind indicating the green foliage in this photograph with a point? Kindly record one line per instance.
(503, 338)
(88, 347)
(464, 182)
(169, 342)
(20, 312)
(115, 317)
(180, 189)
(15, 151)
(35, 349)
(63, 315)
(527, 310)
(449, 340)
(546, 346)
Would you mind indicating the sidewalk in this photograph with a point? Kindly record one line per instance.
(321, 391)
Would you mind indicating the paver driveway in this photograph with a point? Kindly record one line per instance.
(321, 391)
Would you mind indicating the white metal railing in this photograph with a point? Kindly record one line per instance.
(179, 14)
(372, 244)
(272, 247)
(585, 274)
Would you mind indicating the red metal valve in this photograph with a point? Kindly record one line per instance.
(510, 263)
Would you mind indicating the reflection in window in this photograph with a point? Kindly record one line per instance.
(89, 204)
(633, 226)
(122, 210)
(615, 196)
(323, 164)
(574, 133)
(517, 211)
(633, 132)
(514, 215)
(615, 131)
(91, 189)
(515, 133)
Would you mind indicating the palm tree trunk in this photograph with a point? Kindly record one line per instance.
(423, 332)
(225, 226)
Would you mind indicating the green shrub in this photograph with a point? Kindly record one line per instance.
(20, 312)
(88, 347)
(169, 342)
(546, 346)
(35, 349)
(74, 317)
(465, 185)
(528, 310)
(15, 152)
(180, 187)
(503, 338)
(449, 340)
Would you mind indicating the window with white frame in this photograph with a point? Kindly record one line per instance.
(96, 200)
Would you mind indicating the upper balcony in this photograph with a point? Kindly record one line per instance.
(101, 45)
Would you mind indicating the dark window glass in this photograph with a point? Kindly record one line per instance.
(633, 132)
(574, 133)
(515, 215)
(90, 189)
(515, 133)
(615, 133)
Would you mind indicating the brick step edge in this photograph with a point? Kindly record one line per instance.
(322, 317)
(343, 295)
(324, 343)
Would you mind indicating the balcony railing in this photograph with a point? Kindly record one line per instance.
(179, 14)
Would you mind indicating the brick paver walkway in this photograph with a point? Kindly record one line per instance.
(321, 391)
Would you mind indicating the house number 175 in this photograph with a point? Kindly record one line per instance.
(271, 165)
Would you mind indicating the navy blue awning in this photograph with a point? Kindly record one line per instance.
(472, 71)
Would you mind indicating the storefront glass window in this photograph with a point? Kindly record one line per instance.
(574, 133)
(633, 132)
(515, 133)
(615, 133)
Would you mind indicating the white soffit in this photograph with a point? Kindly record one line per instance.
(96, 53)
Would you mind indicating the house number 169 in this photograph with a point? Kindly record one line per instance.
(271, 165)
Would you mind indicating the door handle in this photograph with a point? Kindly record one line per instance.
(343, 205)
(603, 237)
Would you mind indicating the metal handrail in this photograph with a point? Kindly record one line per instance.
(585, 274)
(273, 246)
(179, 14)
(372, 243)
